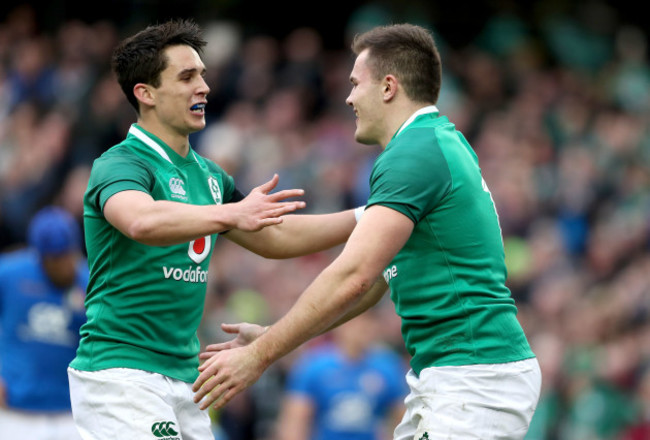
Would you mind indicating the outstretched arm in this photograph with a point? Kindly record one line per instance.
(329, 298)
(245, 332)
(368, 300)
(160, 222)
(297, 235)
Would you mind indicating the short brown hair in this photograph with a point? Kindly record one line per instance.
(408, 52)
(140, 58)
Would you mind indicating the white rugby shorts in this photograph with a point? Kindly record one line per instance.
(482, 402)
(133, 405)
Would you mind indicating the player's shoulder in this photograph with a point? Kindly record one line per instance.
(415, 140)
(120, 155)
(417, 148)
(22, 255)
(17, 260)
(123, 149)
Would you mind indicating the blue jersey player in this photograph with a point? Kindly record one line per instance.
(351, 388)
(41, 310)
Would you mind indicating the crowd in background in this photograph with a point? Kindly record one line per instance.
(557, 110)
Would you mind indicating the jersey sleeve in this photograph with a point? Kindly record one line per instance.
(411, 177)
(229, 188)
(237, 196)
(113, 174)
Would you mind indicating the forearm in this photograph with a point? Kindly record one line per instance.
(247, 333)
(368, 300)
(330, 297)
(341, 291)
(161, 222)
(298, 235)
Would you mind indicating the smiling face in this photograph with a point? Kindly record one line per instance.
(179, 101)
(366, 98)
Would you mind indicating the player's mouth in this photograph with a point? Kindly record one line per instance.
(198, 109)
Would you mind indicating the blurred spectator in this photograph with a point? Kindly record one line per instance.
(351, 388)
(42, 292)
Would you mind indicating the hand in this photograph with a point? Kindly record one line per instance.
(246, 333)
(225, 374)
(260, 209)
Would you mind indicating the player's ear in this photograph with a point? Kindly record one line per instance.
(389, 87)
(144, 94)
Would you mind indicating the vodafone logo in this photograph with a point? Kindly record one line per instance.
(199, 249)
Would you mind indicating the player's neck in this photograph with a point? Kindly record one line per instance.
(398, 113)
(178, 142)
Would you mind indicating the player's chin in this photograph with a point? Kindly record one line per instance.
(362, 138)
(197, 123)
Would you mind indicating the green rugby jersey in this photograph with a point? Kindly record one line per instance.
(144, 303)
(448, 281)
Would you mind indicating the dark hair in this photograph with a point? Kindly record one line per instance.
(408, 52)
(140, 58)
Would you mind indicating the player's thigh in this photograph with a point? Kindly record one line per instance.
(194, 423)
(132, 404)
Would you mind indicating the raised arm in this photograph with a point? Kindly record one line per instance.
(159, 222)
(379, 236)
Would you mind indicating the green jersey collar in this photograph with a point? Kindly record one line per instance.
(146, 139)
(422, 111)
